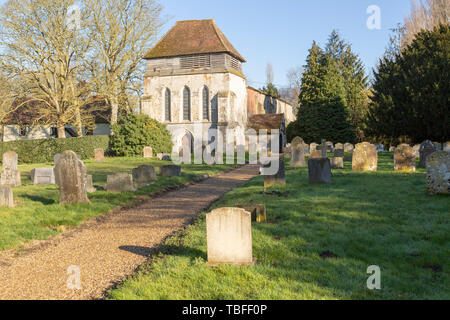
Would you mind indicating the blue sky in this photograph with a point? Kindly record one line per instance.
(281, 31)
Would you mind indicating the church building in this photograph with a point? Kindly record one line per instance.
(194, 77)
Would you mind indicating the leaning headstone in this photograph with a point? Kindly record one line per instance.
(438, 173)
(6, 197)
(298, 156)
(170, 171)
(258, 211)
(120, 182)
(99, 155)
(338, 152)
(229, 237)
(148, 152)
(348, 147)
(70, 173)
(277, 179)
(426, 148)
(337, 163)
(447, 146)
(405, 158)
(163, 156)
(10, 175)
(319, 170)
(365, 157)
(144, 175)
(89, 184)
(43, 176)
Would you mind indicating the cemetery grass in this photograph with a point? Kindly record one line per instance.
(37, 214)
(317, 244)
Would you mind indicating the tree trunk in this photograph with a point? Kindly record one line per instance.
(79, 124)
(114, 111)
(61, 131)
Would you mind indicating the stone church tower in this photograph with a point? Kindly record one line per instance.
(194, 76)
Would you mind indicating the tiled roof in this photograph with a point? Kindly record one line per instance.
(266, 121)
(193, 37)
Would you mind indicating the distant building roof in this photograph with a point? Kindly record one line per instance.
(266, 121)
(193, 37)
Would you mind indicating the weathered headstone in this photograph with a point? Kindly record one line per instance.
(438, 173)
(56, 157)
(447, 146)
(416, 149)
(99, 155)
(89, 184)
(143, 175)
(170, 171)
(70, 174)
(298, 156)
(148, 152)
(10, 175)
(229, 237)
(319, 170)
(43, 176)
(316, 154)
(120, 182)
(365, 157)
(337, 163)
(258, 211)
(312, 147)
(338, 152)
(6, 197)
(426, 148)
(348, 147)
(330, 146)
(163, 156)
(277, 179)
(338, 146)
(405, 158)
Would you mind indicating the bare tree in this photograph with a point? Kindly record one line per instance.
(122, 31)
(425, 15)
(41, 46)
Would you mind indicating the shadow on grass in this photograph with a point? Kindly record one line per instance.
(44, 201)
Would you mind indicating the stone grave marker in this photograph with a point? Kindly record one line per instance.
(148, 152)
(170, 171)
(144, 175)
(298, 156)
(348, 147)
(120, 182)
(89, 184)
(229, 237)
(337, 163)
(338, 152)
(10, 175)
(426, 148)
(258, 211)
(278, 179)
(99, 155)
(6, 197)
(365, 157)
(43, 176)
(447, 146)
(319, 170)
(405, 158)
(70, 173)
(438, 173)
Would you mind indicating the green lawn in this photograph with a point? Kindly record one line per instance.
(317, 244)
(38, 215)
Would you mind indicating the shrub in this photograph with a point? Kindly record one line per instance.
(43, 150)
(134, 132)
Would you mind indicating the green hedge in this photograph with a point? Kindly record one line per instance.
(43, 150)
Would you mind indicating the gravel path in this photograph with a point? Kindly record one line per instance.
(110, 248)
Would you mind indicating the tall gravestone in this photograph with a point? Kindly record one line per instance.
(10, 175)
(229, 237)
(71, 175)
(148, 152)
(6, 197)
(312, 147)
(298, 153)
(438, 173)
(426, 148)
(405, 158)
(365, 157)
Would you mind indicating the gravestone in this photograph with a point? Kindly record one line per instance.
(56, 157)
(229, 237)
(170, 171)
(426, 148)
(70, 174)
(330, 146)
(297, 141)
(438, 173)
(120, 182)
(298, 156)
(277, 179)
(404, 158)
(416, 149)
(338, 146)
(144, 175)
(317, 154)
(99, 155)
(338, 152)
(319, 171)
(258, 211)
(148, 152)
(163, 156)
(89, 184)
(312, 147)
(337, 163)
(348, 147)
(43, 176)
(10, 175)
(323, 146)
(365, 157)
(6, 197)
(447, 146)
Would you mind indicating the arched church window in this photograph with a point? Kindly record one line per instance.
(205, 103)
(167, 105)
(186, 104)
